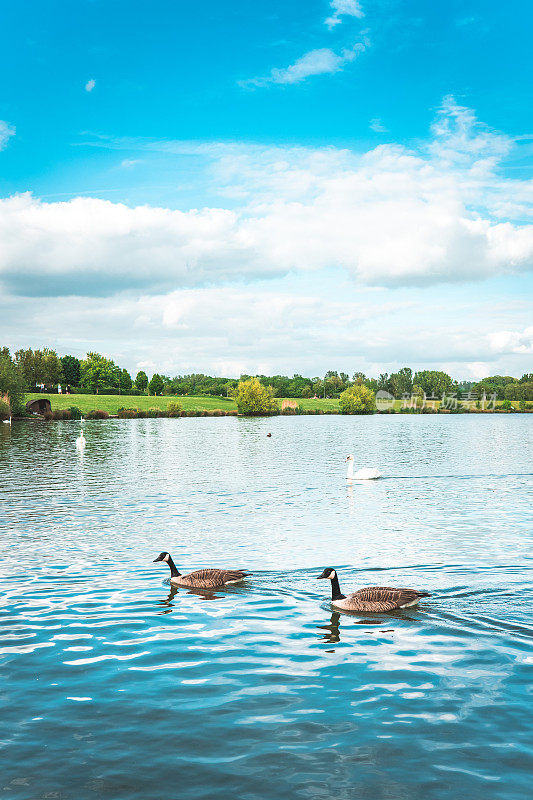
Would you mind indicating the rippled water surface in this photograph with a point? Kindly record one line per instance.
(114, 686)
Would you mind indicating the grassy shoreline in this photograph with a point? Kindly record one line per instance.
(191, 405)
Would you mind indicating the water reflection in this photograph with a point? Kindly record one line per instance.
(331, 629)
(167, 602)
(270, 678)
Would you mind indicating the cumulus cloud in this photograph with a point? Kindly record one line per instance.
(512, 341)
(390, 216)
(6, 132)
(316, 62)
(343, 8)
(89, 86)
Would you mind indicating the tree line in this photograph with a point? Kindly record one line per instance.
(29, 370)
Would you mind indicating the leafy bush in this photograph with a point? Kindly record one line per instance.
(357, 399)
(127, 413)
(75, 412)
(507, 405)
(291, 411)
(154, 413)
(5, 411)
(108, 390)
(98, 413)
(60, 414)
(174, 410)
(255, 400)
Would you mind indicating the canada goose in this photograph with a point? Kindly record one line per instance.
(202, 578)
(371, 598)
(364, 474)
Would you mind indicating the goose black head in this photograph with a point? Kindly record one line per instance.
(328, 573)
(162, 557)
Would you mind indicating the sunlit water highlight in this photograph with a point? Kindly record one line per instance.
(113, 685)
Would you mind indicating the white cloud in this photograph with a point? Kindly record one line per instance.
(6, 132)
(316, 62)
(89, 86)
(341, 8)
(391, 216)
(230, 330)
(377, 126)
(512, 341)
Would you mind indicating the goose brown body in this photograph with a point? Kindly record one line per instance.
(202, 578)
(209, 578)
(372, 598)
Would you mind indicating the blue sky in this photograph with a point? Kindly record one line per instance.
(219, 185)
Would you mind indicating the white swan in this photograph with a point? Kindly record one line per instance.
(80, 441)
(364, 474)
(7, 421)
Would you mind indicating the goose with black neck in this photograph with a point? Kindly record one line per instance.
(210, 578)
(371, 598)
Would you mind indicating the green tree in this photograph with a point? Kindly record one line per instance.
(141, 381)
(71, 370)
(401, 382)
(124, 381)
(495, 384)
(519, 391)
(39, 366)
(433, 382)
(52, 367)
(98, 371)
(156, 385)
(11, 382)
(26, 363)
(255, 400)
(357, 399)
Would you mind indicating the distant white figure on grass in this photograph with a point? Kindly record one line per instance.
(81, 441)
(364, 474)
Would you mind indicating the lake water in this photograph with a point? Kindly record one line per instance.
(114, 686)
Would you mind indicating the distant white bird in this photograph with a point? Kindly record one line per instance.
(7, 421)
(80, 441)
(364, 474)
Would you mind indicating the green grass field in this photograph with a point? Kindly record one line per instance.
(112, 402)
